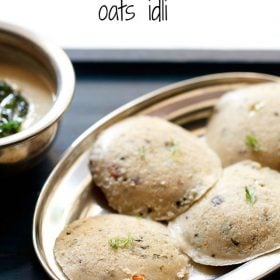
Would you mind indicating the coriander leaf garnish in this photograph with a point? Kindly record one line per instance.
(13, 109)
(142, 152)
(250, 196)
(121, 242)
(9, 127)
(252, 143)
(172, 146)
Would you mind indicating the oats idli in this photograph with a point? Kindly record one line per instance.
(246, 125)
(150, 167)
(237, 220)
(118, 247)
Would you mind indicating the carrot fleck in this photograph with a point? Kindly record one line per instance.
(138, 277)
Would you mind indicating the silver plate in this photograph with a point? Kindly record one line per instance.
(69, 193)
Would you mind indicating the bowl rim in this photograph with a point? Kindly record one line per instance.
(65, 79)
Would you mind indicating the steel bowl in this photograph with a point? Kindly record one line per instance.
(25, 148)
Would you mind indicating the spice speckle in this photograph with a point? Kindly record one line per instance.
(256, 107)
(234, 242)
(114, 171)
(136, 180)
(172, 146)
(217, 200)
(183, 201)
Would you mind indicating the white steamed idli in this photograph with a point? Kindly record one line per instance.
(246, 125)
(118, 247)
(150, 167)
(237, 220)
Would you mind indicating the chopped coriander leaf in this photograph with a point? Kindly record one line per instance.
(252, 143)
(13, 109)
(120, 242)
(9, 128)
(250, 196)
(142, 152)
(172, 146)
(5, 88)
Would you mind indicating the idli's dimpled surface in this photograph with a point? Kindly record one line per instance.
(246, 125)
(236, 221)
(150, 167)
(118, 247)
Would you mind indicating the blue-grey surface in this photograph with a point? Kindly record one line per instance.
(174, 55)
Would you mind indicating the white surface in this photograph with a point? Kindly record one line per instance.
(198, 24)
